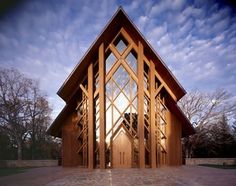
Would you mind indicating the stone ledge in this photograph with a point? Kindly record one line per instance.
(28, 163)
(213, 161)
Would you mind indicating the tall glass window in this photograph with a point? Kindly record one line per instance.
(121, 95)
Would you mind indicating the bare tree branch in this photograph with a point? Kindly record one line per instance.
(23, 108)
(205, 108)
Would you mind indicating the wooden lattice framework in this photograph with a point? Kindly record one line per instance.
(121, 88)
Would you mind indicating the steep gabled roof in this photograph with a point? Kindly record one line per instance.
(120, 19)
(70, 87)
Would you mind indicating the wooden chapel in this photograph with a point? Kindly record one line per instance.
(121, 105)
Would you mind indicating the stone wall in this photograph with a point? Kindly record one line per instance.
(214, 161)
(28, 163)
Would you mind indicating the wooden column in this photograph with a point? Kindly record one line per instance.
(90, 118)
(152, 114)
(169, 147)
(141, 106)
(102, 106)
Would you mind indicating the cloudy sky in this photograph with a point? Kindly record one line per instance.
(45, 39)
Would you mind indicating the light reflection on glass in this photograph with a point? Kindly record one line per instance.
(121, 46)
(121, 102)
(132, 61)
(121, 76)
(110, 61)
(108, 119)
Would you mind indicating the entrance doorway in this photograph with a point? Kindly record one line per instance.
(121, 149)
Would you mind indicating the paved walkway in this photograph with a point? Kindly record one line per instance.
(170, 176)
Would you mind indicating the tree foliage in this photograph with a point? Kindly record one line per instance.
(24, 115)
(209, 113)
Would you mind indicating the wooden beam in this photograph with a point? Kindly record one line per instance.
(126, 35)
(141, 106)
(84, 90)
(152, 114)
(90, 118)
(95, 94)
(127, 68)
(114, 51)
(166, 86)
(101, 63)
(158, 90)
(114, 68)
(127, 51)
(170, 92)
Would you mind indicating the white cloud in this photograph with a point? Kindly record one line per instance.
(133, 5)
(185, 29)
(46, 40)
(221, 25)
(142, 21)
(163, 6)
(157, 32)
(191, 11)
(218, 39)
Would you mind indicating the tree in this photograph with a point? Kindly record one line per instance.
(234, 128)
(7, 149)
(39, 119)
(24, 110)
(14, 89)
(222, 140)
(205, 110)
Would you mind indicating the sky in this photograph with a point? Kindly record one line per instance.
(45, 39)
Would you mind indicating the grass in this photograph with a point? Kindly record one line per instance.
(219, 166)
(10, 171)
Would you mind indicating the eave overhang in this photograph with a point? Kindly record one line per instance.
(56, 126)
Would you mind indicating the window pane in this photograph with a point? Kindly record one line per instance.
(131, 59)
(108, 120)
(110, 61)
(134, 111)
(107, 102)
(134, 89)
(116, 91)
(121, 46)
(121, 76)
(109, 89)
(116, 115)
(118, 123)
(135, 103)
(127, 91)
(121, 102)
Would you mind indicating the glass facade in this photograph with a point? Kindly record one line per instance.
(121, 95)
(121, 107)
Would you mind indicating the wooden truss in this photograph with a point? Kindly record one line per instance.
(122, 87)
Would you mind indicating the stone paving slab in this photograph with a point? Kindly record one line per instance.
(170, 176)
